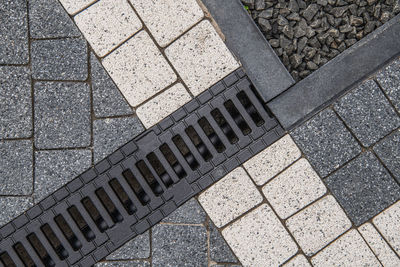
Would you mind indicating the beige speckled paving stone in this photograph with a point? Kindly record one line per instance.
(167, 19)
(388, 223)
(348, 251)
(108, 23)
(201, 58)
(293, 189)
(230, 197)
(272, 160)
(162, 105)
(298, 261)
(139, 69)
(379, 246)
(73, 6)
(259, 239)
(318, 224)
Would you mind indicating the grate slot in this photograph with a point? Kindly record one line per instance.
(149, 177)
(23, 255)
(40, 250)
(81, 223)
(159, 169)
(68, 233)
(224, 125)
(204, 138)
(166, 165)
(211, 134)
(198, 143)
(54, 241)
(6, 260)
(94, 214)
(250, 108)
(122, 196)
(173, 161)
(109, 205)
(134, 184)
(237, 117)
(186, 153)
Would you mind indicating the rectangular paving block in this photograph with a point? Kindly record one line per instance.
(12, 206)
(73, 6)
(388, 150)
(389, 80)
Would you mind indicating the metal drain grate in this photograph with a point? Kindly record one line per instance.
(145, 180)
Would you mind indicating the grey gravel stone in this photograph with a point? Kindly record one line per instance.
(62, 115)
(110, 134)
(326, 142)
(136, 263)
(219, 249)
(191, 213)
(14, 32)
(107, 99)
(13, 206)
(16, 171)
(367, 113)
(59, 59)
(363, 188)
(388, 150)
(310, 12)
(48, 19)
(15, 99)
(54, 169)
(389, 80)
(137, 248)
(179, 245)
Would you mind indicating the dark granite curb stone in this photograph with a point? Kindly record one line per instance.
(332, 80)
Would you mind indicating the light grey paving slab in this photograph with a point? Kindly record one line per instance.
(53, 169)
(16, 102)
(107, 99)
(326, 142)
(367, 113)
(14, 48)
(137, 248)
(110, 134)
(363, 188)
(16, 167)
(59, 59)
(388, 150)
(179, 245)
(62, 115)
(191, 213)
(13, 206)
(48, 19)
(298, 261)
(73, 6)
(136, 263)
(219, 249)
(389, 79)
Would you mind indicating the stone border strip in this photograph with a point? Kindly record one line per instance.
(332, 80)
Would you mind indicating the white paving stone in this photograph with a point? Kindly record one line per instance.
(298, 261)
(162, 105)
(318, 224)
(379, 246)
(108, 23)
(349, 250)
(167, 19)
(201, 57)
(269, 162)
(139, 69)
(73, 6)
(293, 189)
(259, 239)
(388, 223)
(230, 197)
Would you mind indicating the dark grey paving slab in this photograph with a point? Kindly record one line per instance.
(14, 32)
(59, 59)
(16, 171)
(389, 80)
(137, 248)
(388, 150)
(137, 263)
(363, 188)
(107, 99)
(191, 213)
(326, 142)
(367, 113)
(48, 19)
(246, 41)
(16, 102)
(110, 134)
(62, 115)
(226, 265)
(179, 245)
(219, 249)
(340, 74)
(12, 206)
(53, 169)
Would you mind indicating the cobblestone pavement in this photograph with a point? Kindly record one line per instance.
(80, 78)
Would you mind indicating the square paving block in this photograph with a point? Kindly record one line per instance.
(363, 188)
(139, 69)
(388, 150)
(137, 248)
(259, 239)
(13, 206)
(269, 162)
(62, 115)
(230, 197)
(318, 224)
(189, 213)
(389, 80)
(108, 23)
(16, 102)
(326, 142)
(168, 19)
(201, 57)
(73, 6)
(368, 113)
(59, 59)
(16, 168)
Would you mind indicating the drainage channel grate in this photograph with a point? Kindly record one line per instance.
(144, 181)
